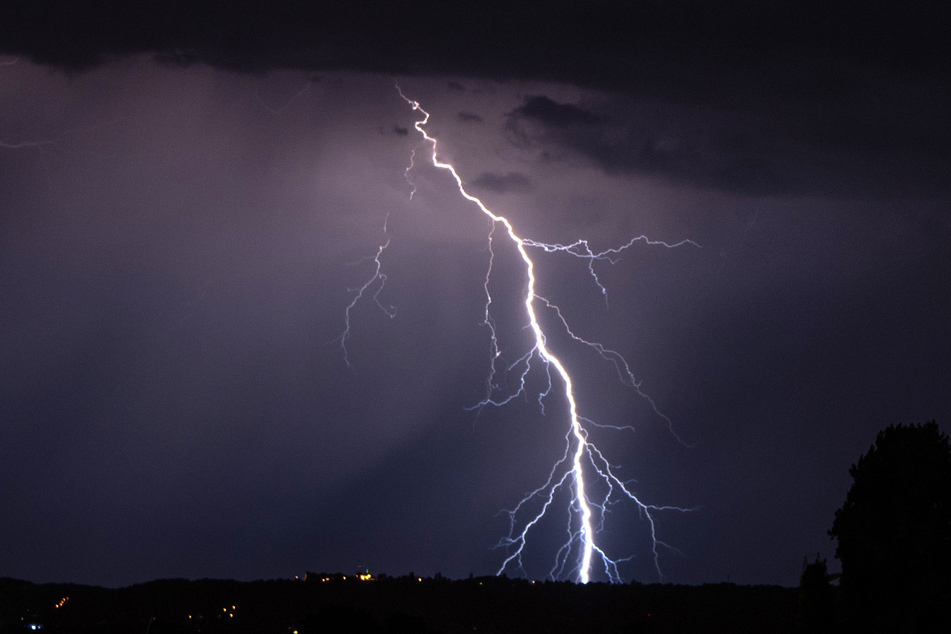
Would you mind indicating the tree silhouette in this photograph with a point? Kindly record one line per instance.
(894, 533)
(816, 612)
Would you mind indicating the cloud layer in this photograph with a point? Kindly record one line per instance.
(776, 98)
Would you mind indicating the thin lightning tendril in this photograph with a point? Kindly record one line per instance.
(43, 148)
(378, 278)
(581, 458)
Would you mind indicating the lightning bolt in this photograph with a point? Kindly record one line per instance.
(581, 458)
(378, 279)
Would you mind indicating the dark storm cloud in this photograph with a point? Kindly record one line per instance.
(555, 115)
(582, 43)
(728, 155)
(469, 117)
(743, 152)
(512, 182)
(827, 84)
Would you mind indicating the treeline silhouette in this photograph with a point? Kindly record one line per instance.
(393, 605)
(893, 539)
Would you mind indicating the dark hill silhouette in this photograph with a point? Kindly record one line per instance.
(391, 605)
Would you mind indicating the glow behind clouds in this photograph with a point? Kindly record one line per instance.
(581, 527)
(174, 266)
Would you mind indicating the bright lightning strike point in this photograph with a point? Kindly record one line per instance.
(581, 459)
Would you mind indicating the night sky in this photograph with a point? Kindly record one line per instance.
(188, 197)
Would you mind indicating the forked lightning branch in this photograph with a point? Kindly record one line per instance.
(582, 472)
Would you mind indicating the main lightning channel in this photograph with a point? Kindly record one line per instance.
(585, 534)
(579, 451)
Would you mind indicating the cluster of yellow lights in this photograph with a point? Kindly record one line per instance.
(223, 610)
(362, 577)
(62, 602)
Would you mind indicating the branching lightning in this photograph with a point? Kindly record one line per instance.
(582, 464)
(378, 279)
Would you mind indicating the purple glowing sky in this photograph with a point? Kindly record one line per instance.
(176, 249)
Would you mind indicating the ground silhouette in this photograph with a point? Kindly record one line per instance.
(339, 603)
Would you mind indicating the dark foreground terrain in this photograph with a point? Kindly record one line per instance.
(334, 603)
